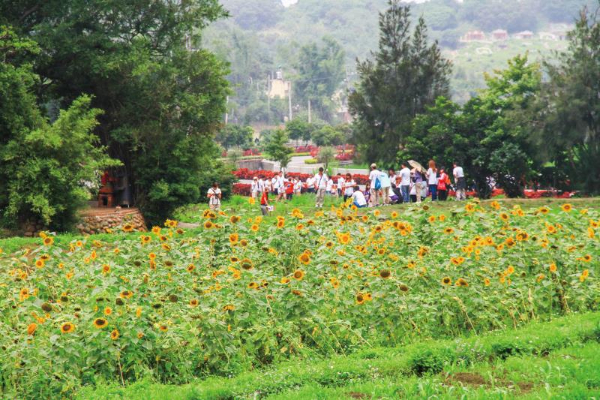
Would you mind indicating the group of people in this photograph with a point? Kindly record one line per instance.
(407, 185)
(414, 184)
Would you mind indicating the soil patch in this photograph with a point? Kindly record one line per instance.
(357, 395)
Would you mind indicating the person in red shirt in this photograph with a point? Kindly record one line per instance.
(264, 201)
(289, 190)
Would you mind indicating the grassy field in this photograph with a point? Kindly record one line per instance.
(558, 359)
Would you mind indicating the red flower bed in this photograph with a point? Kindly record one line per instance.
(242, 189)
(344, 156)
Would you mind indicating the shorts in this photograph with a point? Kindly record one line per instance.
(461, 183)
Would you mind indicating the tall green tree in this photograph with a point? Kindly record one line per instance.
(276, 148)
(320, 71)
(235, 136)
(162, 98)
(405, 76)
(44, 168)
(567, 116)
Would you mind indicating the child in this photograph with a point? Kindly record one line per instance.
(358, 198)
(264, 201)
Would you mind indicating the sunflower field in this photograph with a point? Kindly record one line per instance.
(240, 292)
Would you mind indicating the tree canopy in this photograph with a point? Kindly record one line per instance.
(405, 76)
(162, 98)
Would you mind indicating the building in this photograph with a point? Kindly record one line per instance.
(525, 35)
(278, 87)
(500, 34)
(474, 36)
(288, 3)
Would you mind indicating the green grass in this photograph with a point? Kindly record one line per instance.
(556, 359)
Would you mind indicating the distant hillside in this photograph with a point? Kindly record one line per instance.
(263, 35)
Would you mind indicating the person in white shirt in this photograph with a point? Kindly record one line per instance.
(330, 187)
(358, 198)
(340, 185)
(280, 186)
(461, 183)
(297, 186)
(255, 189)
(432, 180)
(348, 188)
(214, 197)
(405, 183)
(373, 177)
(310, 185)
(320, 187)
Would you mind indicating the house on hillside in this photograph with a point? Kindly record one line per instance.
(278, 87)
(525, 35)
(288, 3)
(500, 34)
(473, 36)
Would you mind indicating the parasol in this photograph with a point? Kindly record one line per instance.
(418, 166)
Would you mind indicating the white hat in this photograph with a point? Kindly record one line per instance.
(373, 165)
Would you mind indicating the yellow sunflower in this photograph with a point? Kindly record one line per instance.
(298, 274)
(67, 327)
(100, 323)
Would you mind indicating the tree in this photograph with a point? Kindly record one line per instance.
(436, 134)
(487, 136)
(328, 136)
(406, 76)
(297, 129)
(320, 72)
(44, 168)
(326, 155)
(162, 101)
(235, 136)
(567, 115)
(277, 149)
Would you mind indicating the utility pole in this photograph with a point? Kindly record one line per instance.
(290, 100)
(309, 116)
(269, 98)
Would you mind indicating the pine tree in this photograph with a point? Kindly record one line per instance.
(406, 75)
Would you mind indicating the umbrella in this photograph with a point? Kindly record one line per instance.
(418, 166)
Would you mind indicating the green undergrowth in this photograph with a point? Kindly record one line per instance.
(560, 358)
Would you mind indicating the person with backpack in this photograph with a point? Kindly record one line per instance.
(375, 185)
(442, 186)
(214, 197)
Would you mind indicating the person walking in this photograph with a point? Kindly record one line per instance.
(405, 183)
(349, 185)
(264, 202)
(460, 181)
(375, 185)
(341, 182)
(432, 180)
(214, 197)
(442, 186)
(418, 183)
(320, 187)
(255, 188)
(386, 186)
